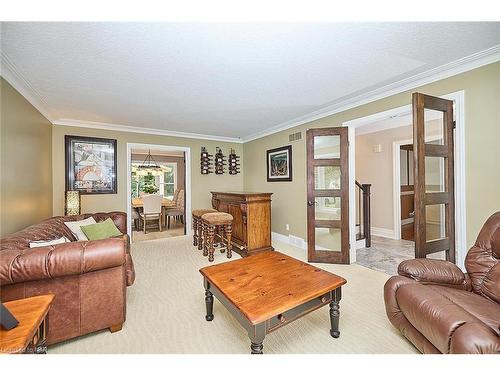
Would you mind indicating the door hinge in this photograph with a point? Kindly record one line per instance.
(454, 124)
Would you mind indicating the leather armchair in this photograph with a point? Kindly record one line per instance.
(441, 309)
(88, 278)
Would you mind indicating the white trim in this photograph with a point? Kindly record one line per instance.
(460, 197)
(187, 187)
(10, 73)
(137, 129)
(456, 67)
(360, 244)
(383, 232)
(485, 57)
(291, 240)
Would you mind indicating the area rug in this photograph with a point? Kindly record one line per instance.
(166, 312)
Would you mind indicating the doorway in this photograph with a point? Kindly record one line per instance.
(390, 120)
(158, 175)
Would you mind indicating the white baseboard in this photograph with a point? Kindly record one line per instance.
(383, 232)
(290, 240)
(360, 244)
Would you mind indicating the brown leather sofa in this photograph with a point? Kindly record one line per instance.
(88, 278)
(440, 309)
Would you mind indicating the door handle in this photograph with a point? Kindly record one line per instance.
(311, 203)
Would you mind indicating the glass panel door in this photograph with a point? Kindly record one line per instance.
(433, 176)
(327, 195)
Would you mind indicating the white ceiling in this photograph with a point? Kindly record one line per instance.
(231, 80)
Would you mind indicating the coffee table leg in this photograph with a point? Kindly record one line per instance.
(257, 334)
(335, 313)
(209, 301)
(257, 348)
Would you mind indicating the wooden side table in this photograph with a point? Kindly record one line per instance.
(31, 333)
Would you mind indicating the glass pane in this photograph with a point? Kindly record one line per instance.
(168, 189)
(328, 239)
(434, 174)
(327, 147)
(326, 177)
(434, 127)
(327, 208)
(406, 167)
(435, 222)
(169, 176)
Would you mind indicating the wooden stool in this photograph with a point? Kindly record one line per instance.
(223, 224)
(197, 226)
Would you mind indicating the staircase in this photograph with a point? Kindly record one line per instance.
(363, 213)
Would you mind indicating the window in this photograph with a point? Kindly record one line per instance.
(168, 180)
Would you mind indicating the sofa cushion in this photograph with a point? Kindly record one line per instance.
(100, 231)
(76, 227)
(484, 309)
(483, 260)
(432, 314)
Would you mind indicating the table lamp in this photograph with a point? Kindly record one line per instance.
(72, 204)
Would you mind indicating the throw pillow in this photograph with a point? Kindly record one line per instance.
(74, 227)
(43, 243)
(102, 230)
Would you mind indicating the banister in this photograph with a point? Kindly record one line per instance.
(365, 214)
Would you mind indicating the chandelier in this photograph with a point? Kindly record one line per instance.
(149, 166)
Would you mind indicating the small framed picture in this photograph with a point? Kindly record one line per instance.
(279, 164)
(90, 165)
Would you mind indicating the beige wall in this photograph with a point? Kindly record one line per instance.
(376, 168)
(26, 162)
(201, 185)
(482, 133)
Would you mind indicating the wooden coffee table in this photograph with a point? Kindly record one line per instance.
(31, 333)
(269, 290)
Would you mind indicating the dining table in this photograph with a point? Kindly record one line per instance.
(138, 203)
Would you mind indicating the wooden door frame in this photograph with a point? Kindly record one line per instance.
(187, 181)
(460, 203)
(320, 255)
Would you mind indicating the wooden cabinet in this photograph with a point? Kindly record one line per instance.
(252, 219)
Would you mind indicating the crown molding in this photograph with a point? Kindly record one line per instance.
(136, 129)
(462, 65)
(10, 73)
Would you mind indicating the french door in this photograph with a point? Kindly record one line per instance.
(327, 195)
(433, 176)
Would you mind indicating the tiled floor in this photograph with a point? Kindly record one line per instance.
(385, 254)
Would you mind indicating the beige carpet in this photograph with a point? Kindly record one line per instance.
(166, 312)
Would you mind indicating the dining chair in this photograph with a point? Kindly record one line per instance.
(178, 210)
(152, 206)
(135, 217)
(176, 196)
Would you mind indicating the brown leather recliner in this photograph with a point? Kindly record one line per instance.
(88, 278)
(442, 310)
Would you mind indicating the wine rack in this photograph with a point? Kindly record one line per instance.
(219, 161)
(206, 161)
(233, 162)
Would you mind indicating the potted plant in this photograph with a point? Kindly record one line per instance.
(150, 189)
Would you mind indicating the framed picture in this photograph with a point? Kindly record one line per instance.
(90, 165)
(279, 164)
